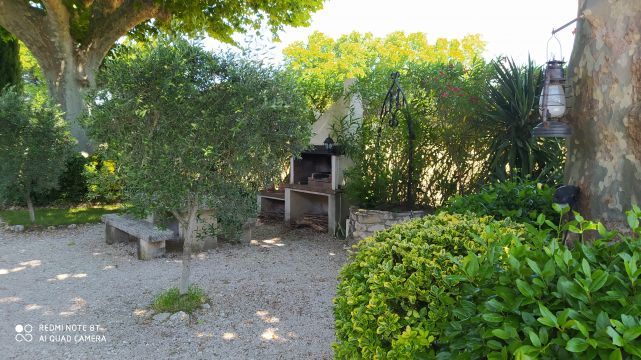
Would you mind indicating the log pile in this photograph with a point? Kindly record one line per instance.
(314, 221)
(272, 216)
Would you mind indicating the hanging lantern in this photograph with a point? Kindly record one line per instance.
(552, 103)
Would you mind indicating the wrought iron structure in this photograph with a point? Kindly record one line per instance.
(395, 102)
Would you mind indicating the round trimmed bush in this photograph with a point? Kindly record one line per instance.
(394, 298)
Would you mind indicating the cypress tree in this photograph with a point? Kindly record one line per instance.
(10, 71)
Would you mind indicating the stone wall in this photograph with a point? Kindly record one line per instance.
(363, 223)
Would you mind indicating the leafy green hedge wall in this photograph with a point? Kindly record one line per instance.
(460, 287)
(395, 295)
(519, 200)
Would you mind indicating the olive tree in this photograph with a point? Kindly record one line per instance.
(193, 130)
(35, 144)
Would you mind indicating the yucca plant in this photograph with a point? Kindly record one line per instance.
(512, 112)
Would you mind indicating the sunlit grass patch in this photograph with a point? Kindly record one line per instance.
(60, 216)
(171, 301)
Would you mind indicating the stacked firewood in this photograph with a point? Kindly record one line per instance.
(271, 216)
(314, 221)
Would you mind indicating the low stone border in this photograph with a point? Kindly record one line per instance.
(363, 223)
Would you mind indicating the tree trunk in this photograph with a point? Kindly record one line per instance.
(32, 212)
(604, 153)
(191, 223)
(68, 81)
(70, 64)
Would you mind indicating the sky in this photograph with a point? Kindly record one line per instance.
(510, 27)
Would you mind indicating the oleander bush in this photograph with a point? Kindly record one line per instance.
(496, 292)
(519, 200)
(395, 296)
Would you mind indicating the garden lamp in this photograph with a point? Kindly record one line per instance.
(552, 100)
(329, 144)
(552, 103)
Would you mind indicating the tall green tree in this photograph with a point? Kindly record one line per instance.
(71, 38)
(193, 130)
(35, 145)
(10, 72)
(321, 64)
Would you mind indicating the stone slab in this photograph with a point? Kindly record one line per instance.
(137, 228)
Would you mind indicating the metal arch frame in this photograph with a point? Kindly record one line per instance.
(394, 102)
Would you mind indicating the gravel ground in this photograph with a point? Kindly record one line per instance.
(269, 300)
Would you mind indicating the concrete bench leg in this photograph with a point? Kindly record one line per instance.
(148, 250)
(114, 235)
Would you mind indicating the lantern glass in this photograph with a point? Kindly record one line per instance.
(555, 100)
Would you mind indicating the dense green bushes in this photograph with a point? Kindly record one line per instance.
(73, 186)
(103, 181)
(520, 200)
(443, 101)
(84, 179)
(35, 144)
(549, 301)
(510, 115)
(492, 292)
(394, 297)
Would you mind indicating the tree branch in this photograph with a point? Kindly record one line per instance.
(58, 19)
(25, 23)
(115, 19)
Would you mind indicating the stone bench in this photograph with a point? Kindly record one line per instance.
(151, 240)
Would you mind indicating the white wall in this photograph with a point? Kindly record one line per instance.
(348, 104)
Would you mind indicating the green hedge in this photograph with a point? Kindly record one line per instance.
(457, 287)
(520, 200)
(395, 296)
(548, 301)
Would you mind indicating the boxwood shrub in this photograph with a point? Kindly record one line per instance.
(395, 296)
(458, 287)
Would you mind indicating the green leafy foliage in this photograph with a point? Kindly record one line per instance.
(554, 301)
(523, 295)
(34, 84)
(104, 183)
(218, 19)
(511, 115)
(171, 301)
(188, 128)
(35, 146)
(443, 101)
(10, 70)
(321, 64)
(72, 187)
(395, 296)
(519, 200)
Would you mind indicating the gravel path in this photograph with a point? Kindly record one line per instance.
(270, 300)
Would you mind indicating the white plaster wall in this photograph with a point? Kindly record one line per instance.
(348, 104)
